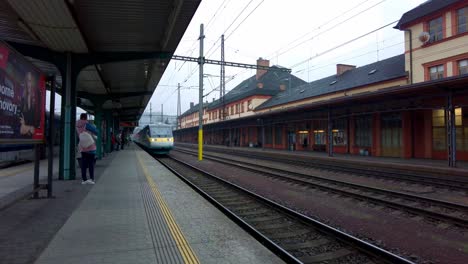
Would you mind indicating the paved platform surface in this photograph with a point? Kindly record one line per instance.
(139, 212)
(437, 166)
(17, 181)
(27, 226)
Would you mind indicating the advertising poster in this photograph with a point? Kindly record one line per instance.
(22, 99)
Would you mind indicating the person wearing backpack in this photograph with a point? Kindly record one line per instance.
(87, 147)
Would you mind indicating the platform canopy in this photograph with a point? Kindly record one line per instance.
(133, 41)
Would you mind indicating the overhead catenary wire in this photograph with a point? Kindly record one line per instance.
(317, 28)
(238, 15)
(354, 51)
(232, 23)
(343, 44)
(241, 72)
(234, 30)
(193, 47)
(369, 8)
(328, 29)
(395, 36)
(216, 13)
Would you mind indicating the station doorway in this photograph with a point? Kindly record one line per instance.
(391, 136)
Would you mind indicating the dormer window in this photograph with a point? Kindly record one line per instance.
(462, 19)
(435, 29)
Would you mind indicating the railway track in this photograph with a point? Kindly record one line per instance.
(294, 237)
(439, 212)
(386, 174)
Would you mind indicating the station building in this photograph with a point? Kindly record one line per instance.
(413, 105)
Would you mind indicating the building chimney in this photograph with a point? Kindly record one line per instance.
(342, 68)
(191, 105)
(262, 62)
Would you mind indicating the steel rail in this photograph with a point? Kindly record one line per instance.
(442, 217)
(349, 239)
(361, 171)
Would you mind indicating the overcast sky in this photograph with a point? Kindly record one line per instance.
(297, 34)
(294, 34)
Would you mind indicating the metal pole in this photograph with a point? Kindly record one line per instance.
(67, 126)
(36, 170)
(263, 135)
(151, 110)
(200, 98)
(330, 135)
(98, 124)
(222, 79)
(179, 123)
(162, 113)
(451, 131)
(50, 165)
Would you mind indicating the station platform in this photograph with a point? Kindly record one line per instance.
(137, 212)
(417, 165)
(17, 181)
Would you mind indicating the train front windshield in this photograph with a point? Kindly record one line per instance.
(161, 132)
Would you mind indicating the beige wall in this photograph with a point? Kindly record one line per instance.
(438, 52)
(192, 120)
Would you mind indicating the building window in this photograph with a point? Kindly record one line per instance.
(436, 72)
(439, 132)
(242, 107)
(279, 135)
(462, 19)
(232, 110)
(463, 67)
(319, 137)
(339, 132)
(363, 131)
(435, 29)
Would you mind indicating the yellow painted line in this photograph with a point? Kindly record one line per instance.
(14, 172)
(184, 248)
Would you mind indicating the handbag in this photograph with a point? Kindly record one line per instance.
(86, 140)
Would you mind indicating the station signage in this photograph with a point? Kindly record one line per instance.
(22, 99)
(128, 124)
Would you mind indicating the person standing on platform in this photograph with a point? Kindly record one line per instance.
(87, 147)
(124, 138)
(113, 142)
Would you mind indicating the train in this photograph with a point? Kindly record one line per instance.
(155, 138)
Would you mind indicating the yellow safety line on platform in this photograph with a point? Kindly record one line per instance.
(14, 172)
(182, 244)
